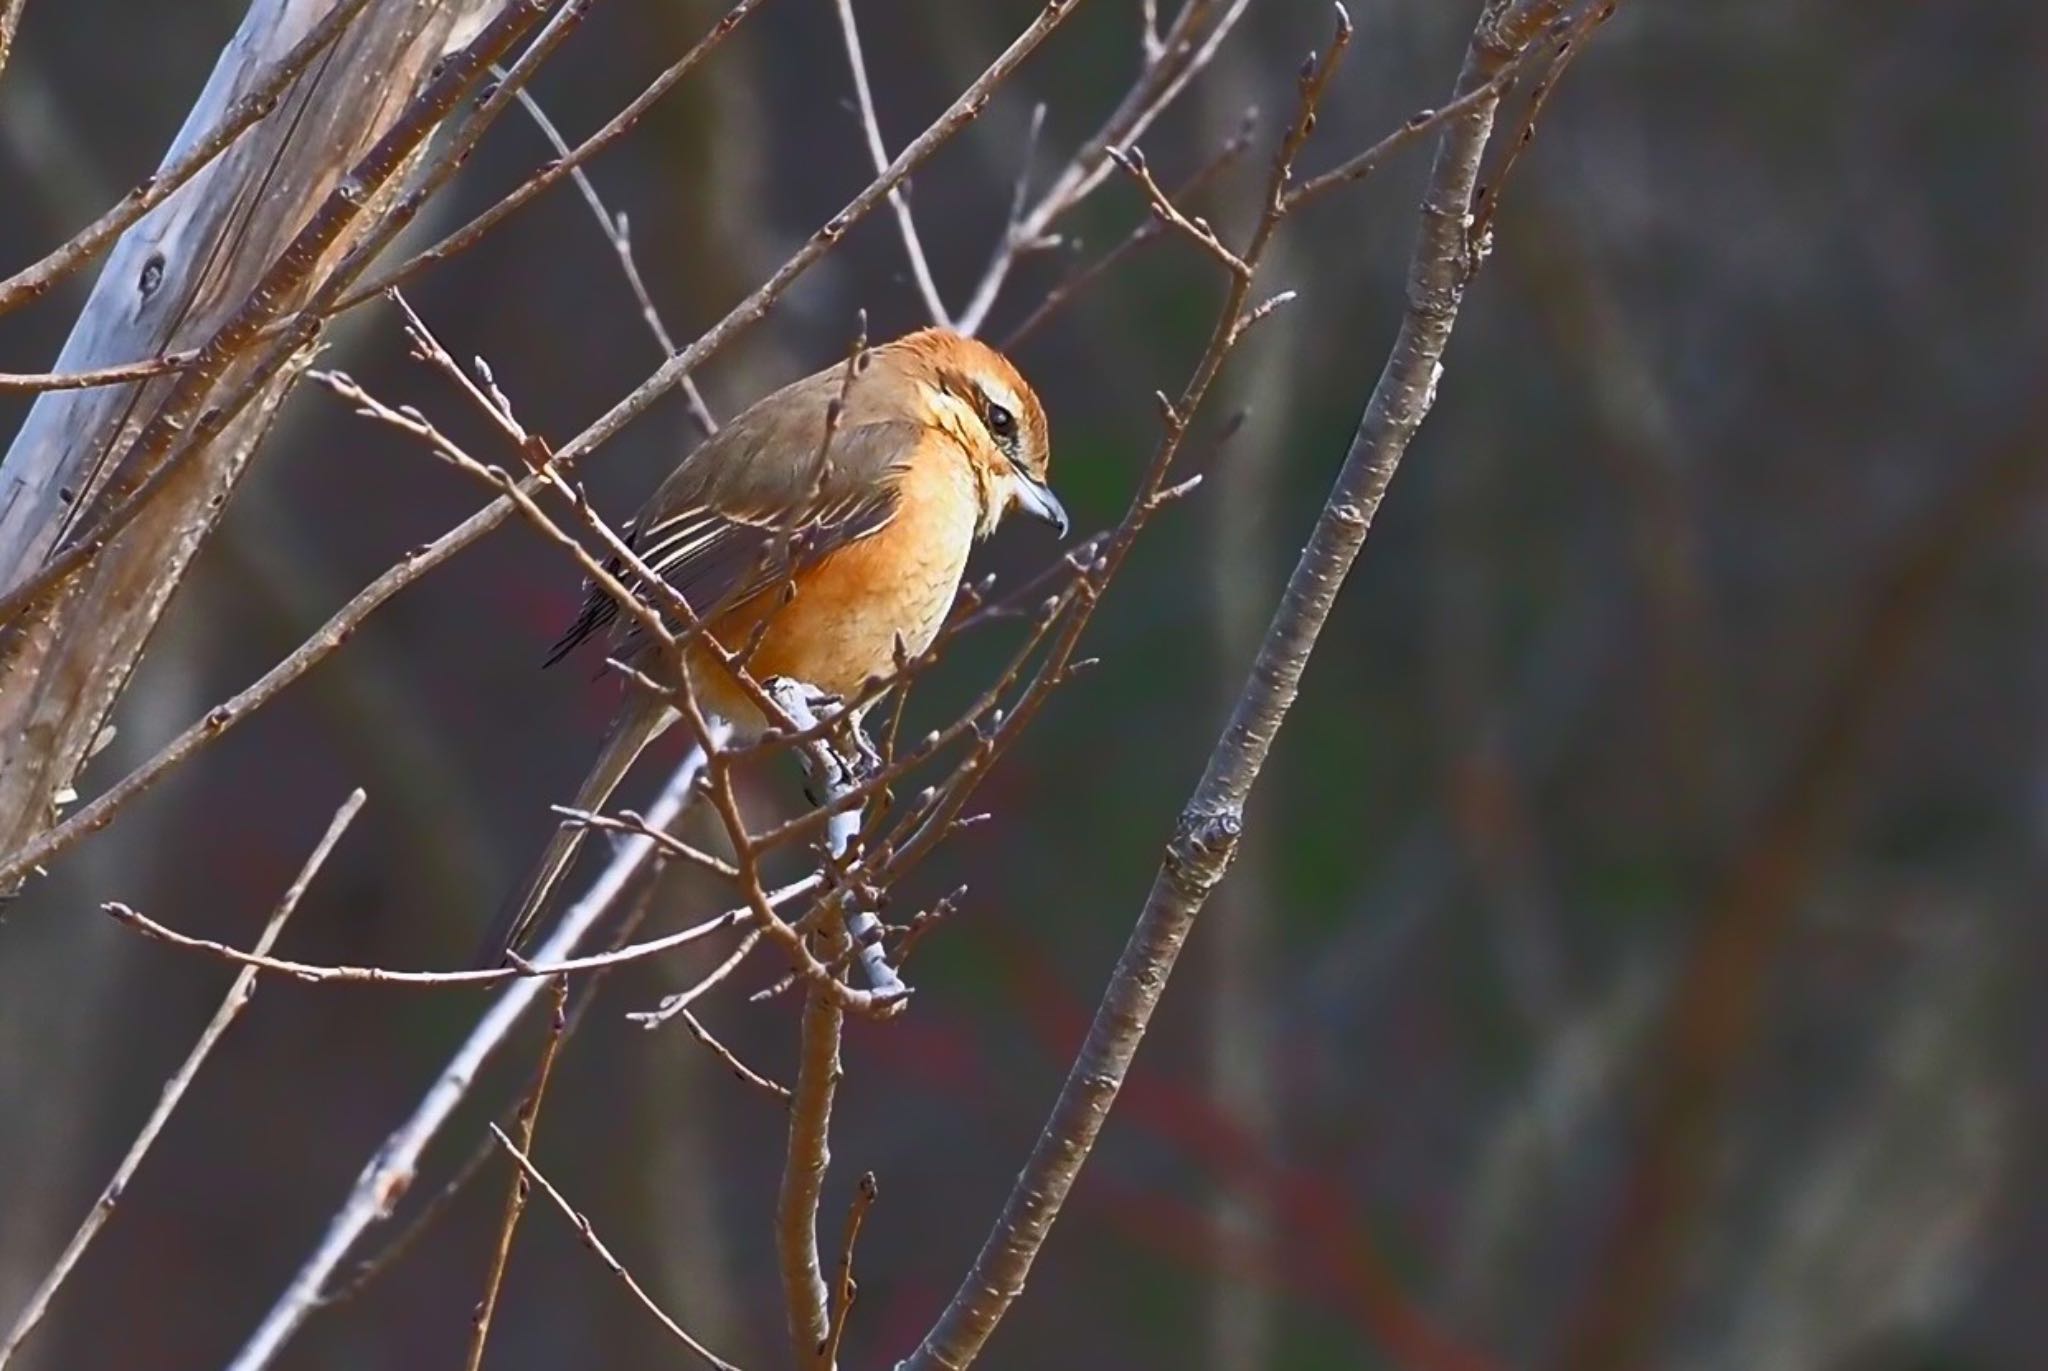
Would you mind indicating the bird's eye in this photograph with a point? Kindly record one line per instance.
(1001, 422)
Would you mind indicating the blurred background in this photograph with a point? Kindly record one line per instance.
(1648, 882)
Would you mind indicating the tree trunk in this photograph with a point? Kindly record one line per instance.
(168, 284)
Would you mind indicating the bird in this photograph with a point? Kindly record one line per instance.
(824, 561)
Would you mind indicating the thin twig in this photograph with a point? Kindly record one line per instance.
(1419, 123)
(604, 1254)
(899, 199)
(34, 382)
(1567, 45)
(238, 995)
(391, 1169)
(618, 233)
(522, 969)
(773, 1088)
(1170, 63)
(516, 1193)
(846, 1289)
(582, 997)
(1132, 160)
(1149, 230)
(681, 1000)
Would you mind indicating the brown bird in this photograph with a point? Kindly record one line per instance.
(939, 438)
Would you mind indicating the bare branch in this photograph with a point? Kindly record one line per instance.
(618, 233)
(1169, 64)
(1132, 160)
(681, 1000)
(817, 1080)
(238, 995)
(847, 1290)
(521, 968)
(1422, 121)
(604, 1254)
(899, 199)
(775, 1089)
(803, 1172)
(516, 1193)
(1567, 45)
(391, 1168)
(1149, 230)
(35, 382)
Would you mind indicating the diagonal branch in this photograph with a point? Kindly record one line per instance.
(604, 1254)
(238, 995)
(618, 233)
(1207, 834)
(390, 1170)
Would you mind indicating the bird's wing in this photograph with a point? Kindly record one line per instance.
(750, 504)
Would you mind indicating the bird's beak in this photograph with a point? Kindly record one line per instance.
(1036, 499)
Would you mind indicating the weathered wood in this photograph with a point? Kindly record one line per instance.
(169, 283)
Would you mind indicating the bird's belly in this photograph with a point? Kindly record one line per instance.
(840, 629)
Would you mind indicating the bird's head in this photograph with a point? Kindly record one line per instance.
(974, 393)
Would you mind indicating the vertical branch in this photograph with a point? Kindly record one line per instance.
(899, 197)
(803, 1173)
(846, 1290)
(516, 1194)
(813, 1332)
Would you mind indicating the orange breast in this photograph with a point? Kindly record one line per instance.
(841, 627)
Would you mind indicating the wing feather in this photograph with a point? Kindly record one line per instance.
(715, 530)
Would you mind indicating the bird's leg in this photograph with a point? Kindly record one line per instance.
(866, 761)
(837, 766)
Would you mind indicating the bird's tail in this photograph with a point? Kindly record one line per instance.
(638, 724)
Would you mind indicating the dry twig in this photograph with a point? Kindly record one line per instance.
(604, 1254)
(899, 198)
(391, 1168)
(516, 1193)
(238, 995)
